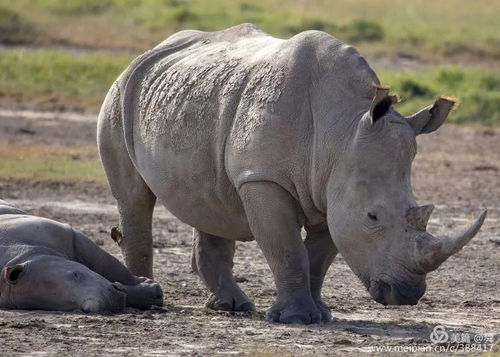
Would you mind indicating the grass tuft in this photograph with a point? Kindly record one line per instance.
(364, 31)
(14, 29)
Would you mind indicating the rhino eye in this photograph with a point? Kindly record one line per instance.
(372, 216)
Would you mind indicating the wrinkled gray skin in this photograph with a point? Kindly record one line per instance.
(47, 265)
(244, 136)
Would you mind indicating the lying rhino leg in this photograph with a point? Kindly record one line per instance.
(142, 293)
(135, 199)
(321, 252)
(275, 220)
(100, 261)
(212, 260)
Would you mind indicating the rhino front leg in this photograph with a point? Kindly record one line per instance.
(275, 220)
(212, 260)
(321, 252)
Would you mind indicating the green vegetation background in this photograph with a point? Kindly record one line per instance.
(72, 50)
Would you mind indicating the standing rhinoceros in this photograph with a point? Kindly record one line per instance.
(47, 265)
(244, 136)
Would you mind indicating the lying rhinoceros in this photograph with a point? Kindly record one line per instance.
(49, 266)
(244, 136)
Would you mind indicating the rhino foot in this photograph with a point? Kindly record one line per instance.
(293, 311)
(326, 315)
(230, 303)
(143, 295)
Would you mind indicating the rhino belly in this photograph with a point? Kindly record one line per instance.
(195, 189)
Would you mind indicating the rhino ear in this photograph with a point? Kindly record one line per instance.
(432, 117)
(381, 103)
(12, 273)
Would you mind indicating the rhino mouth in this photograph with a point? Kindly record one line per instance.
(386, 293)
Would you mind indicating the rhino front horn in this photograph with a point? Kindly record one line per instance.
(432, 251)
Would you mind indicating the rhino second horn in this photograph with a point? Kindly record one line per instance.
(432, 251)
(418, 217)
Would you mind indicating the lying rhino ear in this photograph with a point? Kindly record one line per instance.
(12, 273)
(381, 102)
(432, 117)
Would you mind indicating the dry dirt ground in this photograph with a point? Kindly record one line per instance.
(457, 169)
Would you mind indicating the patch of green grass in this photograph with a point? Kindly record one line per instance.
(50, 163)
(357, 31)
(75, 7)
(59, 169)
(81, 78)
(364, 31)
(426, 29)
(477, 89)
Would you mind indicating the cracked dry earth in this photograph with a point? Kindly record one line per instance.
(457, 169)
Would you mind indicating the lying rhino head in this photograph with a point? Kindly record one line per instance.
(48, 281)
(373, 217)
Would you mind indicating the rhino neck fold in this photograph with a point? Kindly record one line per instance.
(332, 136)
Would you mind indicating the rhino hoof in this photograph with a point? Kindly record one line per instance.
(294, 313)
(229, 304)
(326, 315)
(298, 318)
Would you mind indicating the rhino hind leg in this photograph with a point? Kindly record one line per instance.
(136, 224)
(321, 252)
(135, 200)
(212, 261)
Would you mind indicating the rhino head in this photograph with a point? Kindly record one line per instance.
(373, 217)
(51, 282)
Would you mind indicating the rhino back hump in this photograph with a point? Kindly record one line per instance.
(189, 95)
(225, 82)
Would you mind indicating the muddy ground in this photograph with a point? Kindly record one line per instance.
(457, 169)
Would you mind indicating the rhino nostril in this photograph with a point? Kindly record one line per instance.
(372, 216)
